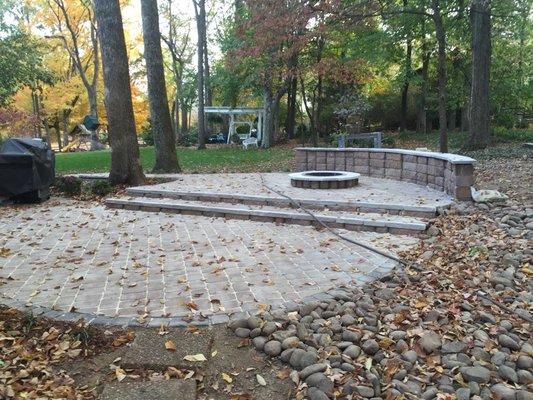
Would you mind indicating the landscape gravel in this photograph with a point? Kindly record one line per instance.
(455, 323)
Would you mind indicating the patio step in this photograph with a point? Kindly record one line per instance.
(281, 202)
(336, 219)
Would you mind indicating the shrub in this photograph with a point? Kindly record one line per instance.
(242, 129)
(387, 140)
(98, 188)
(101, 188)
(188, 139)
(236, 139)
(147, 135)
(512, 135)
(69, 185)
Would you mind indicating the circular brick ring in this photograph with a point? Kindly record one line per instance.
(324, 179)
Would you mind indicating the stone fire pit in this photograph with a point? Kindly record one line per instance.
(324, 179)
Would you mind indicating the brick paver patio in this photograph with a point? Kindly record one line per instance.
(78, 256)
(369, 189)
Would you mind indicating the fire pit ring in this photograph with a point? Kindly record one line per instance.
(324, 179)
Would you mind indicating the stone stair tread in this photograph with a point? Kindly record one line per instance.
(163, 390)
(327, 216)
(223, 197)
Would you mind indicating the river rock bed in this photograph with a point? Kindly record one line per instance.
(453, 324)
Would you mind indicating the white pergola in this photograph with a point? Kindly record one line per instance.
(234, 112)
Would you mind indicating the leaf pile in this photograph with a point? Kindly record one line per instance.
(31, 350)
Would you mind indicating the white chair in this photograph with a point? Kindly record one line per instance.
(251, 141)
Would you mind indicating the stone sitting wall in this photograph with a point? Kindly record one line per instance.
(449, 173)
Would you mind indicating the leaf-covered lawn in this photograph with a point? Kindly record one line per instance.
(216, 159)
(501, 138)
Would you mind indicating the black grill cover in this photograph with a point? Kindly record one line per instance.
(26, 165)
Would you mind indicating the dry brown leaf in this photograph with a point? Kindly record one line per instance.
(195, 357)
(120, 374)
(170, 345)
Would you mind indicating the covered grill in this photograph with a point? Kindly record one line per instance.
(27, 170)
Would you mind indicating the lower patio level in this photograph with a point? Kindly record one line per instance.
(66, 257)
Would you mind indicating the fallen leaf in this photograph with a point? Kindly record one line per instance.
(170, 345)
(260, 380)
(120, 374)
(195, 357)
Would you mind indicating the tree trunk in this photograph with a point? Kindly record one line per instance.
(179, 99)
(317, 103)
(199, 9)
(407, 78)
(465, 121)
(66, 115)
(164, 141)
(173, 117)
(36, 105)
(452, 125)
(405, 87)
(207, 74)
(125, 164)
(290, 121)
(178, 120)
(58, 132)
(47, 132)
(317, 111)
(268, 127)
(422, 112)
(480, 15)
(441, 74)
(93, 103)
(184, 119)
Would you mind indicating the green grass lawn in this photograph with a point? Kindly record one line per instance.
(211, 160)
(280, 158)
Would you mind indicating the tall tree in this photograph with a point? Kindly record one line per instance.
(407, 78)
(421, 124)
(125, 164)
(181, 53)
(272, 38)
(480, 14)
(199, 11)
(21, 63)
(207, 73)
(164, 140)
(73, 19)
(441, 74)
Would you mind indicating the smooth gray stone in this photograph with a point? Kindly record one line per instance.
(352, 351)
(476, 374)
(453, 347)
(259, 342)
(320, 381)
(504, 392)
(314, 393)
(507, 341)
(308, 359)
(508, 374)
(272, 348)
(312, 369)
